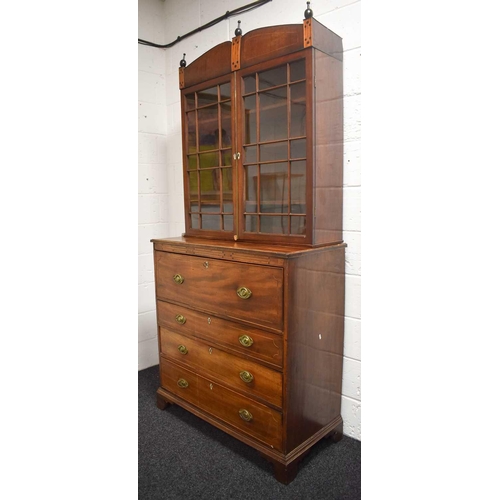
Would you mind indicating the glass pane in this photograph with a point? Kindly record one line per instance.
(250, 154)
(298, 148)
(298, 225)
(192, 162)
(298, 110)
(251, 222)
(272, 77)
(251, 173)
(194, 207)
(298, 187)
(225, 91)
(228, 222)
(274, 224)
(227, 189)
(208, 160)
(190, 104)
(275, 151)
(208, 127)
(248, 84)
(273, 115)
(226, 157)
(207, 96)
(250, 125)
(212, 222)
(191, 124)
(274, 188)
(210, 189)
(226, 124)
(298, 70)
(195, 221)
(193, 186)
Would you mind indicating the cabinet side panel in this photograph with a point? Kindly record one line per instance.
(315, 341)
(328, 149)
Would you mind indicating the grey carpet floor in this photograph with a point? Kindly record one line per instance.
(183, 457)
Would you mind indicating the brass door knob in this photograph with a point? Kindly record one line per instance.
(182, 383)
(178, 279)
(180, 319)
(245, 415)
(247, 377)
(244, 293)
(246, 341)
(182, 349)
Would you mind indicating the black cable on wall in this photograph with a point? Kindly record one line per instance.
(227, 15)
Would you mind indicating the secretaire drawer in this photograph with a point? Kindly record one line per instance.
(241, 373)
(242, 291)
(255, 419)
(258, 344)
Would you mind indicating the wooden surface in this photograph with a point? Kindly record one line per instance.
(266, 348)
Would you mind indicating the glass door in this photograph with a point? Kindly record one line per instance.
(208, 158)
(273, 122)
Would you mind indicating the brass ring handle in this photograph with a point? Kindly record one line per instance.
(245, 415)
(182, 383)
(180, 319)
(246, 376)
(246, 341)
(182, 349)
(244, 293)
(178, 279)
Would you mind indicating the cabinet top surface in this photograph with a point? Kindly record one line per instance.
(254, 247)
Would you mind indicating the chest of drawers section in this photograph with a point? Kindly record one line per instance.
(251, 340)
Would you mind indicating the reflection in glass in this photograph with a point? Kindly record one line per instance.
(274, 224)
(195, 221)
(250, 133)
(191, 162)
(273, 115)
(274, 151)
(298, 70)
(298, 110)
(251, 172)
(208, 160)
(190, 103)
(226, 157)
(250, 154)
(225, 91)
(207, 96)
(249, 84)
(191, 124)
(193, 186)
(251, 223)
(274, 188)
(298, 186)
(212, 222)
(228, 222)
(298, 148)
(225, 110)
(272, 77)
(227, 188)
(298, 224)
(210, 189)
(208, 128)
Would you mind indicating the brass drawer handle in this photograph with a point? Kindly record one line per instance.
(182, 349)
(180, 319)
(182, 383)
(246, 376)
(245, 415)
(246, 341)
(178, 279)
(244, 293)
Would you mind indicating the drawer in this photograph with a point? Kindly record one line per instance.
(256, 343)
(242, 374)
(263, 423)
(236, 290)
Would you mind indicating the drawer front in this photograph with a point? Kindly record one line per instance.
(264, 424)
(242, 291)
(242, 374)
(250, 341)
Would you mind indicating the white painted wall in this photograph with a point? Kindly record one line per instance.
(160, 168)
